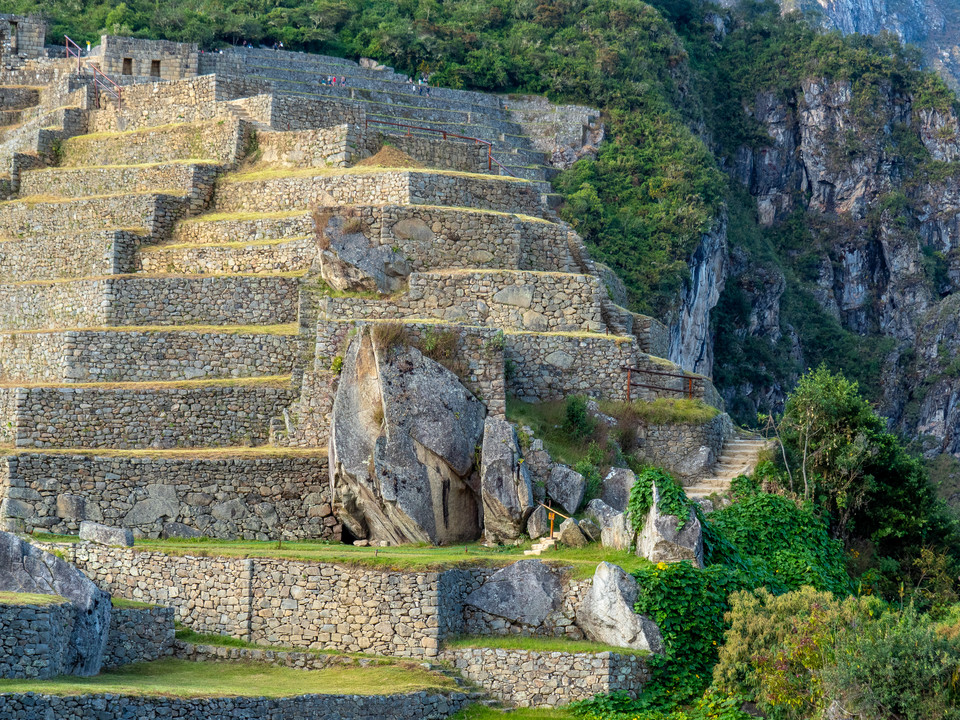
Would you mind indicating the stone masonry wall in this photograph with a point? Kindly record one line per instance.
(42, 256)
(530, 678)
(8, 411)
(545, 302)
(379, 188)
(248, 497)
(154, 211)
(289, 255)
(433, 152)
(29, 306)
(160, 103)
(138, 635)
(93, 417)
(412, 706)
(674, 446)
(290, 112)
(324, 147)
(34, 639)
(110, 356)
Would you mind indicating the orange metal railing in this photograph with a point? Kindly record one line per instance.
(102, 83)
(688, 390)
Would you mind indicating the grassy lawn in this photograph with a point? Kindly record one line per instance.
(480, 712)
(15, 598)
(407, 557)
(540, 644)
(181, 678)
(124, 604)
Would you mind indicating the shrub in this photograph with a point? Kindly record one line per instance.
(577, 422)
(389, 335)
(673, 500)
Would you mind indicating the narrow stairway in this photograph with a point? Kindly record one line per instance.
(739, 457)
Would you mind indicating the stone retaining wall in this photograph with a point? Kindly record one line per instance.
(432, 152)
(52, 305)
(154, 211)
(411, 706)
(294, 255)
(249, 497)
(290, 112)
(283, 225)
(91, 254)
(220, 141)
(160, 103)
(531, 678)
(110, 356)
(689, 451)
(34, 639)
(93, 417)
(18, 98)
(138, 635)
(379, 188)
(325, 147)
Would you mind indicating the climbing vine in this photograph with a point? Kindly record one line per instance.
(673, 500)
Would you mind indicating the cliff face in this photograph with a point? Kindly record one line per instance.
(879, 193)
(933, 25)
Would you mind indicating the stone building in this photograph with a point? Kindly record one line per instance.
(147, 58)
(21, 37)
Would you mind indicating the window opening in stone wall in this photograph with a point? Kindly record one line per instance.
(154, 68)
(13, 38)
(127, 66)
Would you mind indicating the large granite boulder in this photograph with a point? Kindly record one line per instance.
(105, 534)
(566, 486)
(538, 524)
(616, 532)
(504, 483)
(615, 491)
(403, 434)
(28, 569)
(662, 541)
(524, 593)
(571, 535)
(606, 613)
(352, 262)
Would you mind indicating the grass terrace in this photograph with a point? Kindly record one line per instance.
(539, 644)
(16, 598)
(184, 679)
(273, 173)
(583, 561)
(482, 712)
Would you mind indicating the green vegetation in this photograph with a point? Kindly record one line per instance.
(540, 644)
(17, 598)
(180, 678)
(123, 603)
(482, 712)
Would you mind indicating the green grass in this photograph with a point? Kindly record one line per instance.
(406, 557)
(541, 644)
(546, 421)
(124, 604)
(185, 634)
(16, 598)
(663, 411)
(180, 678)
(481, 712)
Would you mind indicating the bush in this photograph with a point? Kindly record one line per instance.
(577, 422)
(673, 500)
(389, 335)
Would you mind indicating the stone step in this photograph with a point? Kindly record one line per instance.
(218, 228)
(147, 415)
(123, 300)
(287, 191)
(509, 299)
(217, 141)
(148, 354)
(267, 256)
(41, 256)
(156, 212)
(226, 492)
(194, 179)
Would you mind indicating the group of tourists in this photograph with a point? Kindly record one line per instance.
(333, 80)
(423, 87)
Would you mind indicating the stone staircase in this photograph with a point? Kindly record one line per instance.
(541, 546)
(739, 457)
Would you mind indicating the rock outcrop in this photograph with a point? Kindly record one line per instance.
(402, 441)
(566, 486)
(664, 540)
(505, 486)
(615, 530)
(352, 262)
(28, 569)
(524, 593)
(606, 614)
(571, 535)
(616, 487)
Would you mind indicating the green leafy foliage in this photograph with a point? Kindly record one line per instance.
(672, 499)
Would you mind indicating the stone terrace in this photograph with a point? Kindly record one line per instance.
(165, 341)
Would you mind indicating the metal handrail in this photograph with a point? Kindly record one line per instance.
(490, 158)
(101, 81)
(688, 391)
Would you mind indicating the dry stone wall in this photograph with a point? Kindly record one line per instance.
(411, 706)
(130, 356)
(160, 103)
(43, 256)
(92, 417)
(135, 56)
(531, 678)
(138, 635)
(41, 305)
(248, 497)
(433, 152)
(155, 211)
(34, 639)
(679, 447)
(247, 229)
(290, 255)
(324, 147)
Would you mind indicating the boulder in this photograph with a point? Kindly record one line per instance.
(615, 491)
(691, 465)
(662, 541)
(403, 434)
(538, 524)
(539, 464)
(616, 532)
(571, 535)
(161, 502)
(28, 569)
(179, 530)
(105, 534)
(606, 613)
(504, 483)
(590, 529)
(351, 262)
(566, 486)
(71, 507)
(525, 593)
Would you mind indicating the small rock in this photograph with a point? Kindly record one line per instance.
(616, 488)
(616, 532)
(361, 543)
(71, 507)
(525, 592)
(105, 534)
(538, 524)
(179, 530)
